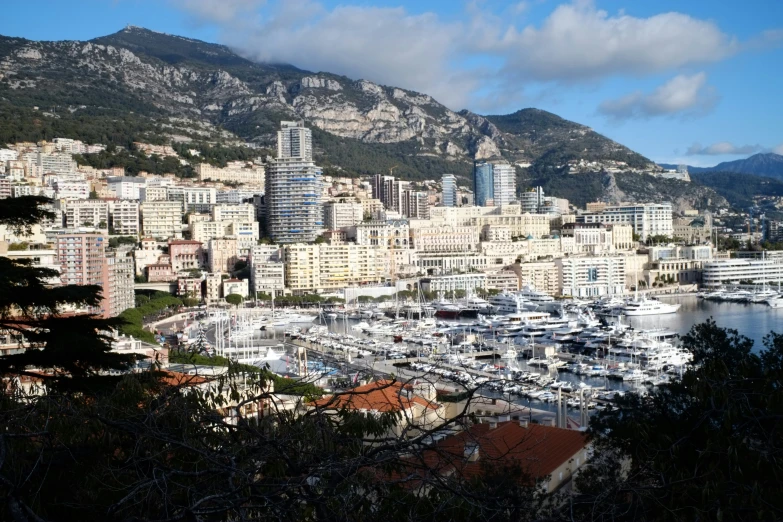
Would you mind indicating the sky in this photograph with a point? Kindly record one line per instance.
(696, 82)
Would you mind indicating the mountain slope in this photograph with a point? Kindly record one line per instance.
(763, 164)
(140, 84)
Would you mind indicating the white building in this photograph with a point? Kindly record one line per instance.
(393, 233)
(505, 183)
(57, 162)
(72, 189)
(127, 187)
(294, 141)
(267, 272)
(649, 219)
(449, 283)
(240, 212)
(246, 233)
(199, 199)
(86, 213)
(736, 271)
(235, 172)
(162, 219)
(449, 184)
(235, 286)
(342, 214)
(444, 238)
(125, 217)
(591, 276)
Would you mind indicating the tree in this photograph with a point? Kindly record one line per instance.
(234, 299)
(700, 449)
(263, 296)
(76, 346)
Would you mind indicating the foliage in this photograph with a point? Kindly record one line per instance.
(116, 241)
(146, 307)
(739, 189)
(135, 162)
(702, 449)
(234, 299)
(18, 246)
(76, 346)
(217, 155)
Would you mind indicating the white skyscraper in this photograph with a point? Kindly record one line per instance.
(294, 141)
(449, 183)
(293, 201)
(505, 183)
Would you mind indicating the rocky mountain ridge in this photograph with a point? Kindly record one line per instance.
(362, 127)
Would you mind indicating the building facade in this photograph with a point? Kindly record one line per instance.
(449, 185)
(591, 276)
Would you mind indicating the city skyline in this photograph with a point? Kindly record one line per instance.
(676, 83)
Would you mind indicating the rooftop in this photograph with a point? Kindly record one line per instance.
(382, 396)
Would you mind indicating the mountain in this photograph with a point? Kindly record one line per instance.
(766, 164)
(141, 85)
(741, 188)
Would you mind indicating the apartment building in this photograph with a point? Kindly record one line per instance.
(294, 211)
(267, 272)
(393, 233)
(72, 189)
(245, 233)
(162, 219)
(189, 287)
(331, 267)
(622, 237)
(592, 276)
(81, 258)
(449, 186)
(186, 255)
(520, 225)
(213, 286)
(342, 214)
(124, 216)
(236, 212)
(415, 205)
(648, 219)
(294, 141)
(542, 275)
(127, 187)
(223, 254)
(235, 172)
(150, 194)
(117, 283)
(198, 199)
(86, 213)
(56, 162)
(444, 238)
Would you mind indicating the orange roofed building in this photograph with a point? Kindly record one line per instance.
(544, 453)
(415, 404)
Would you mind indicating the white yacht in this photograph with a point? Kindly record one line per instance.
(775, 302)
(648, 307)
(538, 298)
(510, 303)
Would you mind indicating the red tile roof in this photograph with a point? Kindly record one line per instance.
(381, 396)
(538, 450)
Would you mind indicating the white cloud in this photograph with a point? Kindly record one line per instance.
(722, 148)
(682, 95)
(576, 43)
(778, 149)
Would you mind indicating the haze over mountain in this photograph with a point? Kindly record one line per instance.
(192, 88)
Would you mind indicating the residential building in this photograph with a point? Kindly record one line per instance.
(235, 286)
(505, 280)
(542, 275)
(198, 199)
(223, 254)
(267, 272)
(124, 217)
(294, 211)
(622, 237)
(520, 225)
(393, 233)
(235, 172)
(504, 178)
(81, 258)
(162, 219)
(86, 213)
(547, 454)
(331, 267)
(294, 141)
(213, 285)
(244, 232)
(649, 219)
(117, 283)
(56, 162)
(483, 184)
(591, 276)
(589, 238)
(186, 255)
(236, 212)
(72, 189)
(239, 195)
(189, 287)
(342, 214)
(415, 205)
(444, 238)
(127, 187)
(449, 184)
(150, 194)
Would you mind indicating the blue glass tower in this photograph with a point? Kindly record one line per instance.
(483, 183)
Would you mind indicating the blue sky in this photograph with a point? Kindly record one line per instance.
(696, 81)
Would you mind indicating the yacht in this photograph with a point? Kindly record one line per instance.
(775, 302)
(648, 307)
(510, 303)
(538, 298)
